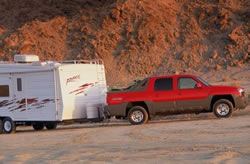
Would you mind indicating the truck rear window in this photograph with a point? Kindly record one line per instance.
(4, 91)
(163, 84)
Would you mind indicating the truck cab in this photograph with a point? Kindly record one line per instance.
(174, 94)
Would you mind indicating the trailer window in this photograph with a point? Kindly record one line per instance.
(19, 84)
(4, 91)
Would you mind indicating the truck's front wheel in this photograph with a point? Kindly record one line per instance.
(138, 115)
(223, 108)
(9, 126)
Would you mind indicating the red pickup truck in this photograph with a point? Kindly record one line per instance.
(173, 94)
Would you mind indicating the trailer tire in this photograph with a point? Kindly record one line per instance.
(9, 126)
(51, 126)
(38, 126)
(1, 126)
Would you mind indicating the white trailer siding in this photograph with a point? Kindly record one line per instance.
(35, 100)
(40, 95)
(51, 91)
(6, 100)
(80, 86)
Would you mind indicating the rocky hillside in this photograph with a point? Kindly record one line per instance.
(135, 38)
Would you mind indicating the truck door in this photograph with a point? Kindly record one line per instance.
(164, 96)
(190, 97)
(19, 96)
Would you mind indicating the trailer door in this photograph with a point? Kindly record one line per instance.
(5, 95)
(20, 96)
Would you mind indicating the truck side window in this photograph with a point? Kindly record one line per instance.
(163, 84)
(186, 83)
(4, 91)
(19, 84)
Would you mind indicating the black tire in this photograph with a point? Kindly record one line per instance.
(118, 117)
(141, 118)
(38, 126)
(51, 126)
(223, 108)
(1, 126)
(9, 126)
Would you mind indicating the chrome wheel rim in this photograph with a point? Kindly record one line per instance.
(223, 109)
(137, 116)
(7, 126)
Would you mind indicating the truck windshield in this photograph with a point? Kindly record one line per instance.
(203, 81)
(133, 85)
(138, 84)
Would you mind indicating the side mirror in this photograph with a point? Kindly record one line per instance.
(198, 85)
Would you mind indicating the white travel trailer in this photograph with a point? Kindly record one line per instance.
(45, 93)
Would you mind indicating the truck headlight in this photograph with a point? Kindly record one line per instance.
(241, 91)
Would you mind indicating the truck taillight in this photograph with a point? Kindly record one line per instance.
(108, 99)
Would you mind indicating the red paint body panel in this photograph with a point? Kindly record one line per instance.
(196, 99)
(219, 90)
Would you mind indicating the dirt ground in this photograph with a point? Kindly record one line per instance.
(186, 138)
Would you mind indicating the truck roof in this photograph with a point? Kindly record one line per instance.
(179, 75)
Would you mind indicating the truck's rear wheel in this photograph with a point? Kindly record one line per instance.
(51, 126)
(9, 126)
(223, 108)
(38, 126)
(1, 126)
(138, 115)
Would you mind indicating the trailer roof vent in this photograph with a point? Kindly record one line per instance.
(26, 58)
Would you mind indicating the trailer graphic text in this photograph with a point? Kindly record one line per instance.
(72, 79)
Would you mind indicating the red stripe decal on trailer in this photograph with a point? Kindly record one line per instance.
(20, 105)
(81, 88)
(79, 93)
(7, 102)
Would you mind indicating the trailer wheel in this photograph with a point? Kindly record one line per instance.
(9, 126)
(38, 126)
(51, 126)
(1, 126)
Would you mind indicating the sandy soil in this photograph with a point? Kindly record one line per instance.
(187, 138)
(173, 139)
